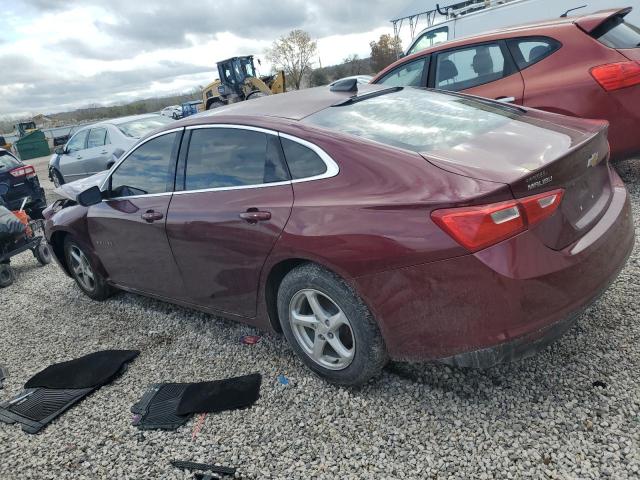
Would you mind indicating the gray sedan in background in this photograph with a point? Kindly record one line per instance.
(96, 147)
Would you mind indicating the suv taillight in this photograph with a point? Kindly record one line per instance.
(26, 171)
(481, 226)
(614, 76)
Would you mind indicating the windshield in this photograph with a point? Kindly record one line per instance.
(415, 119)
(7, 162)
(139, 128)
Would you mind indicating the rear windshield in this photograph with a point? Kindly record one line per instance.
(7, 162)
(416, 119)
(616, 33)
(139, 128)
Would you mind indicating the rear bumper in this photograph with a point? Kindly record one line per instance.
(502, 303)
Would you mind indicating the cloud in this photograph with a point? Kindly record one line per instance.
(60, 54)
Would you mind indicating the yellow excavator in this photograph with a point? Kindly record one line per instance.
(238, 82)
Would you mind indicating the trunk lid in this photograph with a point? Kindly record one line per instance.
(541, 152)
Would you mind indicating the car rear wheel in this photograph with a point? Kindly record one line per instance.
(58, 179)
(86, 276)
(329, 326)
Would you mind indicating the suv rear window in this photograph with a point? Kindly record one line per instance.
(415, 119)
(616, 33)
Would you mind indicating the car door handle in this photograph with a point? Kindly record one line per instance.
(103, 152)
(506, 99)
(79, 157)
(255, 216)
(151, 216)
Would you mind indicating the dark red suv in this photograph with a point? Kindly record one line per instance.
(584, 66)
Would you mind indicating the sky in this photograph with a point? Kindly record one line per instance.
(57, 55)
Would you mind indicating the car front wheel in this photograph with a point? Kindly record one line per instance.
(58, 179)
(90, 281)
(329, 326)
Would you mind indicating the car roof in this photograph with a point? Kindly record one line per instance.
(294, 105)
(586, 22)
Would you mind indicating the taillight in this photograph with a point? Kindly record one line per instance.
(480, 226)
(614, 76)
(26, 171)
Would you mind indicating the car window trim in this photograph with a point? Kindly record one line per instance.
(331, 171)
(509, 68)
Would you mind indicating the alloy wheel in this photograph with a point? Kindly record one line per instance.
(82, 269)
(322, 329)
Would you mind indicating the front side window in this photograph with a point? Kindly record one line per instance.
(409, 74)
(469, 67)
(229, 157)
(527, 51)
(77, 142)
(429, 39)
(147, 170)
(96, 137)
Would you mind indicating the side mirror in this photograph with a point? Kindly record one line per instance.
(59, 150)
(91, 196)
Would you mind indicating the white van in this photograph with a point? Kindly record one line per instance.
(493, 14)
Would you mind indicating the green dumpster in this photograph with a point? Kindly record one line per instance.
(32, 145)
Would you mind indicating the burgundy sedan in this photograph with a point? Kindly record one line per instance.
(383, 223)
(586, 66)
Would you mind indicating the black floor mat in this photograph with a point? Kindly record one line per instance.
(167, 406)
(55, 389)
(220, 395)
(157, 408)
(36, 407)
(92, 370)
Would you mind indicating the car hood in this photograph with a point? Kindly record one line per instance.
(72, 189)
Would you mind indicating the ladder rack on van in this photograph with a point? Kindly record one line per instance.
(413, 14)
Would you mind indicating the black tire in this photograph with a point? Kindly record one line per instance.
(98, 289)
(43, 254)
(256, 94)
(7, 275)
(369, 355)
(58, 179)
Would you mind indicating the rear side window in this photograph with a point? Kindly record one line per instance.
(470, 66)
(616, 33)
(96, 137)
(229, 157)
(530, 50)
(147, 170)
(409, 74)
(302, 161)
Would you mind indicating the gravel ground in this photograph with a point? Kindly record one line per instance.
(540, 418)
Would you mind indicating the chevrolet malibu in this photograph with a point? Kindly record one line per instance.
(385, 223)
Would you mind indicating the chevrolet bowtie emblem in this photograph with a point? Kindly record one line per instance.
(593, 160)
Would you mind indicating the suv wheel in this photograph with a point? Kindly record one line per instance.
(58, 179)
(329, 326)
(86, 276)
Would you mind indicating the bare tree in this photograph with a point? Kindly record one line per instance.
(293, 54)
